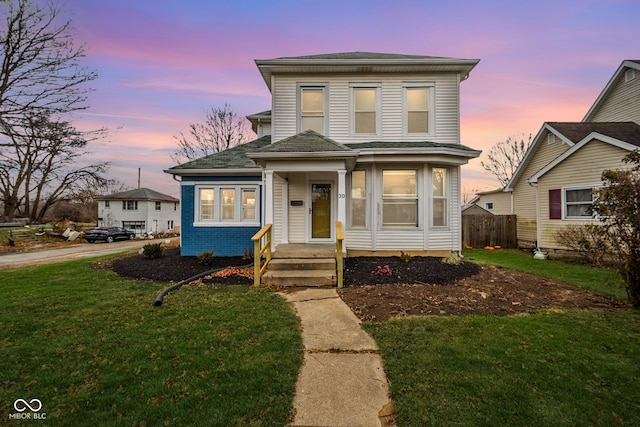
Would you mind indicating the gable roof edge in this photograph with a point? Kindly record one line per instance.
(627, 63)
(592, 136)
(528, 154)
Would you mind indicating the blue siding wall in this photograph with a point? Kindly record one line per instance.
(223, 241)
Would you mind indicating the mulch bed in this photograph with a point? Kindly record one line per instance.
(422, 286)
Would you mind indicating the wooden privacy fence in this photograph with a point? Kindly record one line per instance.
(489, 230)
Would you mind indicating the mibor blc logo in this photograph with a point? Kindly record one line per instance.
(28, 410)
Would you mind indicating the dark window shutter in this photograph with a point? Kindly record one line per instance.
(555, 204)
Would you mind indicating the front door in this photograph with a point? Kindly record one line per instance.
(320, 211)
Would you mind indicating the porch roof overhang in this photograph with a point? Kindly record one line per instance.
(304, 160)
(448, 154)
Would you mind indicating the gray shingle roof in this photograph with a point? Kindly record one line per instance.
(304, 142)
(139, 194)
(232, 158)
(576, 131)
(407, 144)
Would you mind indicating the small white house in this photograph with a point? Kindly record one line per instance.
(142, 210)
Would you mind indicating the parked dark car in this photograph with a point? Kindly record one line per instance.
(109, 234)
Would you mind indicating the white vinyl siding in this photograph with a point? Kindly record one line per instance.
(298, 214)
(445, 114)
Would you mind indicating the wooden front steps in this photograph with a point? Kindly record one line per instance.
(302, 265)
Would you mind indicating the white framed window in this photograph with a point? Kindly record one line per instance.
(418, 106)
(158, 206)
(629, 75)
(225, 204)
(312, 109)
(551, 138)
(488, 206)
(129, 205)
(577, 202)
(106, 204)
(439, 195)
(400, 198)
(365, 109)
(358, 201)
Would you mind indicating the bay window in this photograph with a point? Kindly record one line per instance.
(358, 212)
(439, 197)
(400, 198)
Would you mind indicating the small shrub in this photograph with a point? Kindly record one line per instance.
(382, 271)
(453, 260)
(405, 256)
(152, 250)
(248, 254)
(205, 258)
(588, 241)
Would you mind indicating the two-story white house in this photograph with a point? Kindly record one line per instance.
(367, 139)
(141, 210)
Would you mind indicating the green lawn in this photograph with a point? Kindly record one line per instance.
(93, 349)
(548, 368)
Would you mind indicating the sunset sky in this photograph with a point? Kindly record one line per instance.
(162, 63)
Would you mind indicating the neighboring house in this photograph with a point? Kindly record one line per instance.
(553, 185)
(496, 202)
(141, 210)
(371, 140)
(474, 209)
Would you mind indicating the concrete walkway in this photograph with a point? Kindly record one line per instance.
(342, 380)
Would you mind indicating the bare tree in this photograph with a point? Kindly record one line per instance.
(504, 157)
(39, 165)
(40, 73)
(41, 81)
(221, 129)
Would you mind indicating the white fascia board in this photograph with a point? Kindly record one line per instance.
(215, 172)
(592, 136)
(537, 140)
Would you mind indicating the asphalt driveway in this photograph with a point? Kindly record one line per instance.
(81, 250)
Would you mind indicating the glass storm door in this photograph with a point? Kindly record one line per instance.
(320, 211)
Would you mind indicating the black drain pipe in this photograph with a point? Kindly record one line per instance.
(158, 301)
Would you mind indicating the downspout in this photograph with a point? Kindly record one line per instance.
(535, 184)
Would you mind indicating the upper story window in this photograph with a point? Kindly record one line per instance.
(312, 108)
(106, 204)
(365, 110)
(629, 75)
(129, 205)
(400, 198)
(158, 206)
(418, 104)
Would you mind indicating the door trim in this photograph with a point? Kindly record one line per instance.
(332, 186)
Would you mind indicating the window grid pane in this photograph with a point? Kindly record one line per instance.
(364, 110)
(312, 109)
(358, 199)
(399, 198)
(228, 204)
(417, 109)
(206, 204)
(578, 202)
(248, 204)
(439, 197)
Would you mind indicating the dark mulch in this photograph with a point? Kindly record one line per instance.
(422, 286)
(363, 271)
(172, 267)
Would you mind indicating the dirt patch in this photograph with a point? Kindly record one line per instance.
(422, 286)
